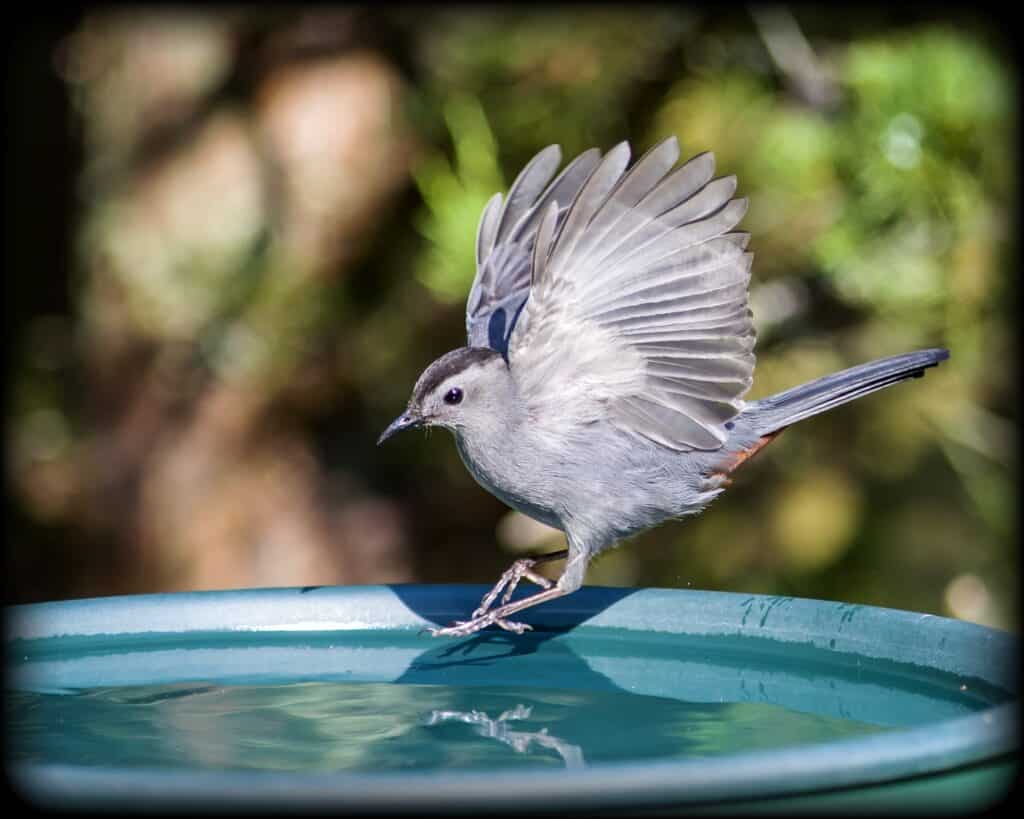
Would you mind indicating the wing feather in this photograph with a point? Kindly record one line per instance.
(681, 184)
(505, 239)
(658, 247)
(545, 236)
(620, 208)
(638, 310)
(563, 190)
(527, 187)
(657, 207)
(488, 229)
(591, 196)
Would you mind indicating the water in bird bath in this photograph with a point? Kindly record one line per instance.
(398, 701)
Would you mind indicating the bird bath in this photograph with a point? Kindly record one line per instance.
(621, 699)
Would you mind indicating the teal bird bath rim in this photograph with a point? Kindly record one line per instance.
(620, 699)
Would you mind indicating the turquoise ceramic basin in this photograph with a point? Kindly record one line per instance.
(620, 699)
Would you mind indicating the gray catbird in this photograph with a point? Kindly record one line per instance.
(610, 345)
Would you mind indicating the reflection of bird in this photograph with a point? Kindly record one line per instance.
(610, 347)
(519, 741)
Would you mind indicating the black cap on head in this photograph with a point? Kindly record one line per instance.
(448, 365)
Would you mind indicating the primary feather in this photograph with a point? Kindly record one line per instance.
(637, 311)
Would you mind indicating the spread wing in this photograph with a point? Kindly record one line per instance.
(637, 311)
(505, 239)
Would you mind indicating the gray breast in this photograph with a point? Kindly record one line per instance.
(510, 483)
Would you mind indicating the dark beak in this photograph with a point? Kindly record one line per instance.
(406, 420)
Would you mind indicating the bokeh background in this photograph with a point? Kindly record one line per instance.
(236, 236)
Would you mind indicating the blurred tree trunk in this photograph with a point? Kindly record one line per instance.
(229, 178)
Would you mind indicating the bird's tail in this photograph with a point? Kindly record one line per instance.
(782, 409)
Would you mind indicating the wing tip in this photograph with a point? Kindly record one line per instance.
(703, 157)
(552, 150)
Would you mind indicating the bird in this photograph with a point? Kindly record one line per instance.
(610, 344)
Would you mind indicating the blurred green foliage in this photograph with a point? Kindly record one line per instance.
(455, 198)
(881, 212)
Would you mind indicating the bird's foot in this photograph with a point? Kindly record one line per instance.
(497, 617)
(464, 628)
(508, 582)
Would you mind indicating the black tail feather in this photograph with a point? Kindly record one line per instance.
(785, 408)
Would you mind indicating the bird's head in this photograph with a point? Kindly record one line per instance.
(463, 388)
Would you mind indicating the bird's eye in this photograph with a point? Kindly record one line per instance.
(453, 396)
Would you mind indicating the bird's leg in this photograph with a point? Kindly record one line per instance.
(516, 572)
(571, 579)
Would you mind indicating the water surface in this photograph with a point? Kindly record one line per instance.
(370, 701)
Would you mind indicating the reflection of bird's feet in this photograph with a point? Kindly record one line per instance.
(508, 582)
(479, 622)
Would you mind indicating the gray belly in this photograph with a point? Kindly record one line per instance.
(604, 489)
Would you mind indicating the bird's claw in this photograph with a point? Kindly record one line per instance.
(463, 628)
